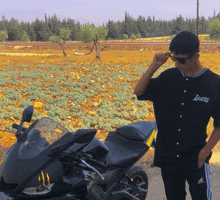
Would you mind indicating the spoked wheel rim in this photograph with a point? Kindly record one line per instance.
(139, 183)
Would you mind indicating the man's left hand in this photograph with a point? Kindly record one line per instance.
(202, 156)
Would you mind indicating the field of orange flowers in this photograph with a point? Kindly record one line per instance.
(77, 91)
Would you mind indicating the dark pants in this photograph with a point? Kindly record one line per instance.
(175, 178)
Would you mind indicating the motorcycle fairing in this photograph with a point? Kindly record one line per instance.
(17, 171)
(28, 168)
(52, 173)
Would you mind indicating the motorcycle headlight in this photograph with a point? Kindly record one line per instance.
(38, 190)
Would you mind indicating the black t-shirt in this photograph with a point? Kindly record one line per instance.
(183, 106)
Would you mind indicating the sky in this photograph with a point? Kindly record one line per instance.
(101, 11)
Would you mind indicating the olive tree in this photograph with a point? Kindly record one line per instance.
(3, 36)
(214, 29)
(60, 39)
(93, 34)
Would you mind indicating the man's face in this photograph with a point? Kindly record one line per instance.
(183, 61)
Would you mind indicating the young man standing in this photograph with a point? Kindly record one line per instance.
(184, 99)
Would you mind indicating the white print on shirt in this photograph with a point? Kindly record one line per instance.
(198, 98)
(201, 181)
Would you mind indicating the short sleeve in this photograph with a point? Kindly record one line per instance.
(216, 115)
(150, 91)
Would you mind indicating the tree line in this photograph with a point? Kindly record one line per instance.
(42, 30)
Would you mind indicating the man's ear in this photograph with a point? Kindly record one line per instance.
(197, 55)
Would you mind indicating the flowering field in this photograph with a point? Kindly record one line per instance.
(77, 91)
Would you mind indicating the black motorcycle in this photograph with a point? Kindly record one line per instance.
(49, 162)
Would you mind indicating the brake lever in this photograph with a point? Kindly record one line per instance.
(10, 131)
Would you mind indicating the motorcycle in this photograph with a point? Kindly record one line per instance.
(49, 162)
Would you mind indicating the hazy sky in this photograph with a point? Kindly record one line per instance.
(100, 11)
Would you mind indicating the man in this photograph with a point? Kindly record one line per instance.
(184, 99)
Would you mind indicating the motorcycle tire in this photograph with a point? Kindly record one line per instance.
(138, 175)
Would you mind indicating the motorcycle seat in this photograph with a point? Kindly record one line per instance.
(138, 131)
(119, 156)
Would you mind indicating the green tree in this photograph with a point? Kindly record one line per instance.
(141, 27)
(179, 24)
(37, 29)
(90, 33)
(3, 36)
(113, 30)
(31, 31)
(130, 25)
(2, 23)
(149, 27)
(23, 26)
(214, 29)
(14, 30)
(60, 39)
(44, 32)
(202, 25)
(75, 30)
(25, 37)
(54, 24)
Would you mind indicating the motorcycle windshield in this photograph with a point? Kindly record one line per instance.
(45, 132)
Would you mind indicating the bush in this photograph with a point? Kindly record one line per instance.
(138, 35)
(125, 36)
(133, 37)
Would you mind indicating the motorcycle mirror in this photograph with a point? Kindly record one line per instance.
(26, 117)
(27, 114)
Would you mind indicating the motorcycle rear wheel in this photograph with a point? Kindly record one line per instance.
(140, 179)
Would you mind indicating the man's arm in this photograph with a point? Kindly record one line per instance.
(158, 60)
(144, 80)
(213, 140)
